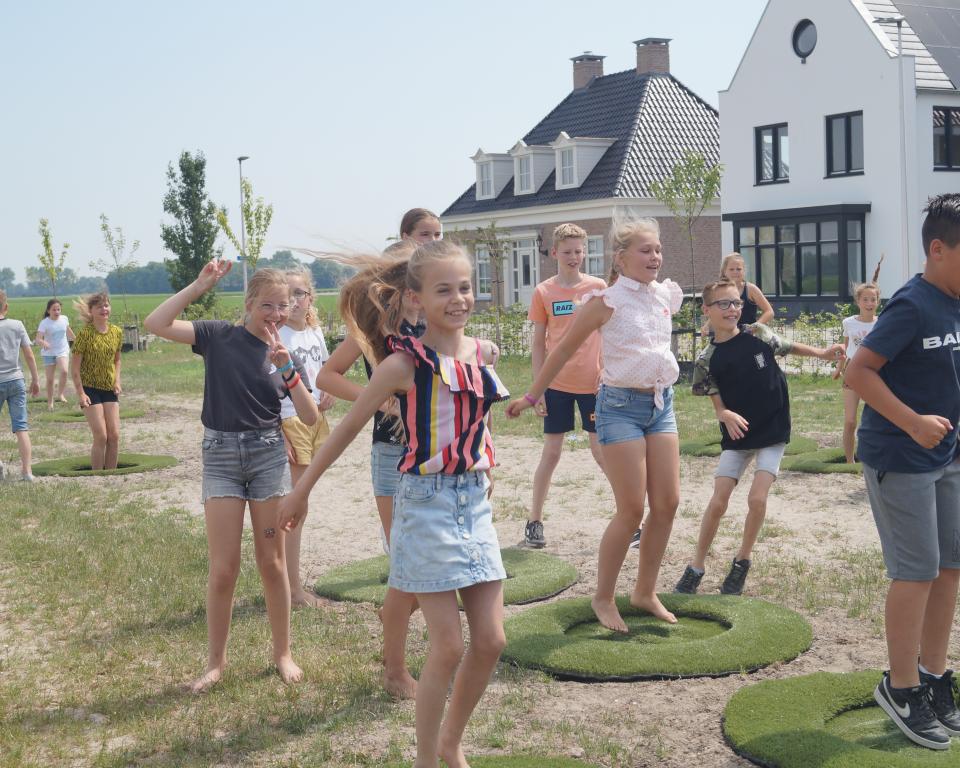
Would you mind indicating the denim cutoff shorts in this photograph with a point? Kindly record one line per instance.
(384, 458)
(625, 414)
(249, 465)
(14, 394)
(443, 536)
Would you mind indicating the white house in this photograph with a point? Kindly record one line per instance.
(832, 142)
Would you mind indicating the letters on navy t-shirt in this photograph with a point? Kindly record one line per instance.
(919, 335)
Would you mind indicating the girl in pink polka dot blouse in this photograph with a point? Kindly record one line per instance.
(635, 422)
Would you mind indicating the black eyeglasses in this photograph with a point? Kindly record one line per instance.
(726, 303)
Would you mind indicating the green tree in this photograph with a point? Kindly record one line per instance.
(496, 243)
(120, 263)
(52, 264)
(693, 183)
(257, 216)
(7, 278)
(192, 237)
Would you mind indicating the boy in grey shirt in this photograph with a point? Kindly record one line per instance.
(13, 390)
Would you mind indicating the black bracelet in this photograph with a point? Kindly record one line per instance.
(290, 377)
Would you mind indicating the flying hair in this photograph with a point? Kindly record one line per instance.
(86, 304)
(625, 227)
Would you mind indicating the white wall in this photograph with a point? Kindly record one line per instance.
(931, 182)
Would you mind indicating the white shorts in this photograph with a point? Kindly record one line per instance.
(733, 463)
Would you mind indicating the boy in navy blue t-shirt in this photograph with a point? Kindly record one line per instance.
(907, 371)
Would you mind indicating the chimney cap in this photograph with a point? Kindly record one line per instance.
(653, 41)
(587, 56)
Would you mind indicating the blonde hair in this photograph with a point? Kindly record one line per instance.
(568, 231)
(262, 280)
(725, 262)
(85, 304)
(711, 289)
(300, 272)
(861, 287)
(3, 298)
(626, 227)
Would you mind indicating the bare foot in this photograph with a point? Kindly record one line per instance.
(49, 406)
(289, 671)
(652, 605)
(62, 399)
(205, 682)
(304, 599)
(401, 685)
(608, 615)
(452, 755)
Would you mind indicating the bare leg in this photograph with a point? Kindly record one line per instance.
(111, 419)
(26, 452)
(597, 452)
(62, 384)
(50, 370)
(483, 604)
(298, 595)
(904, 620)
(98, 427)
(756, 511)
(851, 401)
(716, 508)
(626, 468)
(938, 620)
(549, 458)
(268, 546)
(663, 494)
(446, 649)
(224, 522)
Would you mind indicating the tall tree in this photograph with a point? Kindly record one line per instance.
(51, 263)
(7, 277)
(496, 243)
(192, 237)
(257, 216)
(120, 263)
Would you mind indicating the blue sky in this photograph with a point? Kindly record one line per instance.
(351, 113)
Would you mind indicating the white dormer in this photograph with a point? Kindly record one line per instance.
(531, 166)
(493, 172)
(576, 158)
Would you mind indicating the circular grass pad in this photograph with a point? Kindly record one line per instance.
(716, 635)
(825, 461)
(520, 761)
(79, 466)
(78, 417)
(531, 576)
(710, 446)
(827, 720)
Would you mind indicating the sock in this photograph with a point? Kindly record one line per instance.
(926, 671)
(698, 571)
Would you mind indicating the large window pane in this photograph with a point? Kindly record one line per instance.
(747, 237)
(787, 233)
(830, 269)
(939, 137)
(838, 145)
(749, 254)
(788, 270)
(828, 230)
(783, 170)
(854, 263)
(856, 142)
(766, 154)
(808, 270)
(766, 235)
(768, 270)
(955, 138)
(854, 230)
(808, 233)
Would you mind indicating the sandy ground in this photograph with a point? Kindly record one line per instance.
(672, 723)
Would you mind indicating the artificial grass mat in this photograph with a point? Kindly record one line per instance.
(716, 635)
(825, 461)
(78, 417)
(79, 466)
(710, 445)
(519, 761)
(531, 576)
(827, 720)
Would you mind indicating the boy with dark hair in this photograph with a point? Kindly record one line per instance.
(738, 372)
(907, 371)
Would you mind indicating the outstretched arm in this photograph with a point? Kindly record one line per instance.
(163, 320)
(333, 375)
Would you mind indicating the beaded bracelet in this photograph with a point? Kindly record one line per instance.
(287, 367)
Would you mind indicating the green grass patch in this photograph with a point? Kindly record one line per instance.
(531, 576)
(79, 466)
(826, 720)
(715, 635)
(78, 417)
(824, 461)
(710, 446)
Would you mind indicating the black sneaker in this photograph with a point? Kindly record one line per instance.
(689, 582)
(943, 700)
(733, 584)
(635, 539)
(533, 535)
(911, 711)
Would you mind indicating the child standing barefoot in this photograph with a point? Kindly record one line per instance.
(53, 336)
(248, 373)
(635, 420)
(442, 540)
(855, 330)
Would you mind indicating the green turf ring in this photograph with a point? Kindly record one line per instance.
(518, 761)
(826, 719)
(710, 446)
(127, 464)
(745, 634)
(78, 417)
(825, 461)
(531, 576)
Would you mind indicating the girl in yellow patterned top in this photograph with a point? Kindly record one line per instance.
(95, 369)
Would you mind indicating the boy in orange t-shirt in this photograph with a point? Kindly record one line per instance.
(552, 309)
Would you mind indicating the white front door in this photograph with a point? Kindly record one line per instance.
(524, 270)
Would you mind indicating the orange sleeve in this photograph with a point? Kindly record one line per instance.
(537, 313)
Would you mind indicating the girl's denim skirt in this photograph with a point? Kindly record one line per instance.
(443, 536)
(248, 465)
(384, 460)
(625, 414)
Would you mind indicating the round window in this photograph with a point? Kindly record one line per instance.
(804, 38)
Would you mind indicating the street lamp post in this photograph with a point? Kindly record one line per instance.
(243, 236)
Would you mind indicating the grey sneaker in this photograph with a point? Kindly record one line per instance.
(533, 535)
(943, 701)
(689, 582)
(733, 584)
(911, 711)
(635, 539)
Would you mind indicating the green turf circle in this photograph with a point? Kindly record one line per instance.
(78, 417)
(127, 463)
(716, 635)
(710, 446)
(824, 461)
(827, 720)
(531, 576)
(518, 761)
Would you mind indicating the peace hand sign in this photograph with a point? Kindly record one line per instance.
(212, 272)
(279, 355)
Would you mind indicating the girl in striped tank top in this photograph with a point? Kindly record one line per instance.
(442, 540)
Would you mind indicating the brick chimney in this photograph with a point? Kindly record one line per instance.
(586, 66)
(653, 55)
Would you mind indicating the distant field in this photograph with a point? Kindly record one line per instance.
(30, 309)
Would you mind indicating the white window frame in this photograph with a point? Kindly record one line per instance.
(563, 182)
(594, 261)
(484, 272)
(484, 180)
(524, 174)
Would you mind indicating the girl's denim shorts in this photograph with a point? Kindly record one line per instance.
(443, 536)
(384, 459)
(248, 465)
(625, 414)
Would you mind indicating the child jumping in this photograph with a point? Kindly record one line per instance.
(908, 374)
(635, 422)
(442, 540)
(552, 311)
(13, 389)
(855, 329)
(739, 373)
(248, 373)
(54, 336)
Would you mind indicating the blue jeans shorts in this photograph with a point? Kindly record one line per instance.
(384, 458)
(443, 536)
(248, 465)
(625, 414)
(14, 394)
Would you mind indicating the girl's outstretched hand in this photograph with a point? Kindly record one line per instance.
(279, 355)
(517, 407)
(292, 511)
(212, 272)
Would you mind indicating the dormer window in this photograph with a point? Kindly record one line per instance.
(531, 166)
(484, 180)
(524, 174)
(576, 158)
(493, 173)
(568, 171)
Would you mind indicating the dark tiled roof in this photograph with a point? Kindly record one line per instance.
(654, 120)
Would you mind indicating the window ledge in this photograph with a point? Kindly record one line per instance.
(947, 168)
(843, 175)
(771, 183)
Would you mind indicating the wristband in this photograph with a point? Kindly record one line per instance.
(287, 367)
(287, 378)
(529, 398)
(292, 382)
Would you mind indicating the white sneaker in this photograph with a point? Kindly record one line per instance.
(27, 478)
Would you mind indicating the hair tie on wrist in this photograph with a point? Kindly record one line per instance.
(292, 382)
(286, 367)
(287, 378)
(529, 398)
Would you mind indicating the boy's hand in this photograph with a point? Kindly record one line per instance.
(540, 408)
(833, 352)
(517, 407)
(736, 425)
(836, 372)
(34, 387)
(929, 430)
(490, 487)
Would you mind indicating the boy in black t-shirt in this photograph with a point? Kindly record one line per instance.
(907, 371)
(739, 373)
